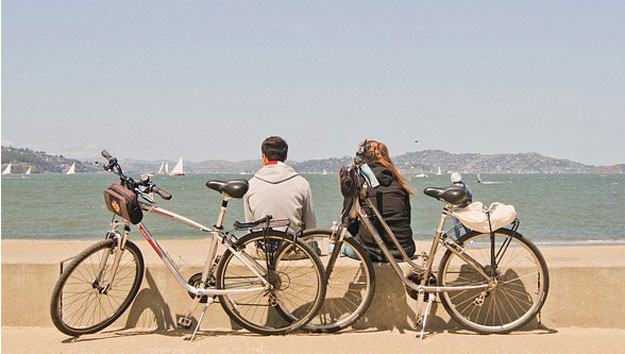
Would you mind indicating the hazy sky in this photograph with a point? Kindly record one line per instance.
(211, 79)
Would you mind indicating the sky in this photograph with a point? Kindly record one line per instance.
(212, 79)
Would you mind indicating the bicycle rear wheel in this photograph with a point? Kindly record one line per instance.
(297, 283)
(350, 283)
(80, 305)
(520, 290)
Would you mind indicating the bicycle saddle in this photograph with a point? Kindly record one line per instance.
(453, 195)
(235, 188)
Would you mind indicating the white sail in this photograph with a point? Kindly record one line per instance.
(71, 170)
(439, 171)
(324, 172)
(161, 170)
(178, 169)
(166, 168)
(7, 171)
(29, 170)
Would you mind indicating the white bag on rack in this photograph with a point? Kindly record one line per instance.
(475, 216)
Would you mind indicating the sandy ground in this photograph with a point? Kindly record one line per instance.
(566, 340)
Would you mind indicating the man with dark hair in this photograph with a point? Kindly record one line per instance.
(274, 148)
(279, 191)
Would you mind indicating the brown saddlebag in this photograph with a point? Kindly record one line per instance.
(123, 202)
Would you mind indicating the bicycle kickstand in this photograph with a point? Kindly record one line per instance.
(422, 316)
(428, 308)
(209, 301)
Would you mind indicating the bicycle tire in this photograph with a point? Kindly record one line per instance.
(272, 318)
(511, 292)
(66, 294)
(339, 312)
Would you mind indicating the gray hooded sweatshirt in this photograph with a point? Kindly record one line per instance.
(279, 191)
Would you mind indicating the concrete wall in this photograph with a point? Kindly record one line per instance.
(578, 296)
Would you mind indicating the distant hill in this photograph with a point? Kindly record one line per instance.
(413, 162)
(487, 163)
(409, 163)
(40, 162)
(620, 168)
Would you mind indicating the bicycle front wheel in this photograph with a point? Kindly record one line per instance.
(513, 299)
(350, 282)
(294, 272)
(82, 301)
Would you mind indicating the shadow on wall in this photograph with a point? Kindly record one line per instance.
(150, 310)
(391, 308)
(150, 298)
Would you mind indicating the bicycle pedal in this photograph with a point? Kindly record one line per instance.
(185, 322)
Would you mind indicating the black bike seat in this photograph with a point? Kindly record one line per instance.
(454, 195)
(235, 188)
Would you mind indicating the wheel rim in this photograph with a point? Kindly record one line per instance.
(348, 286)
(296, 279)
(513, 300)
(82, 304)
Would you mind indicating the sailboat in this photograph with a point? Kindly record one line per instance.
(479, 178)
(166, 168)
(178, 169)
(439, 171)
(71, 170)
(28, 170)
(7, 171)
(422, 174)
(161, 170)
(325, 172)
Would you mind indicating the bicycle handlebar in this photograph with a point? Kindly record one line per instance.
(129, 182)
(161, 192)
(106, 155)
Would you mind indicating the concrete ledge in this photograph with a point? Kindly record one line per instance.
(579, 296)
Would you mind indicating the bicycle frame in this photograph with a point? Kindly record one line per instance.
(358, 212)
(217, 236)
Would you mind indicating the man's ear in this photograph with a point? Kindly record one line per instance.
(264, 159)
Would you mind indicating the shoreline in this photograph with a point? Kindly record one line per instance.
(548, 243)
(193, 251)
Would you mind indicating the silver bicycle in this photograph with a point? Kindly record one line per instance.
(267, 281)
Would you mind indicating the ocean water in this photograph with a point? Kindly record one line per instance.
(552, 208)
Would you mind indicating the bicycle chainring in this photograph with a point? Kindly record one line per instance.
(416, 279)
(195, 281)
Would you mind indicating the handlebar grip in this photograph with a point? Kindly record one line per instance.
(161, 192)
(111, 159)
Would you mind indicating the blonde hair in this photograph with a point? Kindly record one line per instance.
(378, 152)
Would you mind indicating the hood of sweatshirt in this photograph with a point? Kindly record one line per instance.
(276, 174)
(383, 174)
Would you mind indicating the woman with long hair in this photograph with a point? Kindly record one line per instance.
(392, 199)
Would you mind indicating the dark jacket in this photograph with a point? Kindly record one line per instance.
(392, 201)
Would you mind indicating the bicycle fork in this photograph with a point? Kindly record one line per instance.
(120, 244)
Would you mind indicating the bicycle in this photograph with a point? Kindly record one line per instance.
(258, 287)
(492, 282)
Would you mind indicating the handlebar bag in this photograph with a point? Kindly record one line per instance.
(123, 202)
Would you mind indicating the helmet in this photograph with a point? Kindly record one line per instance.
(456, 177)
